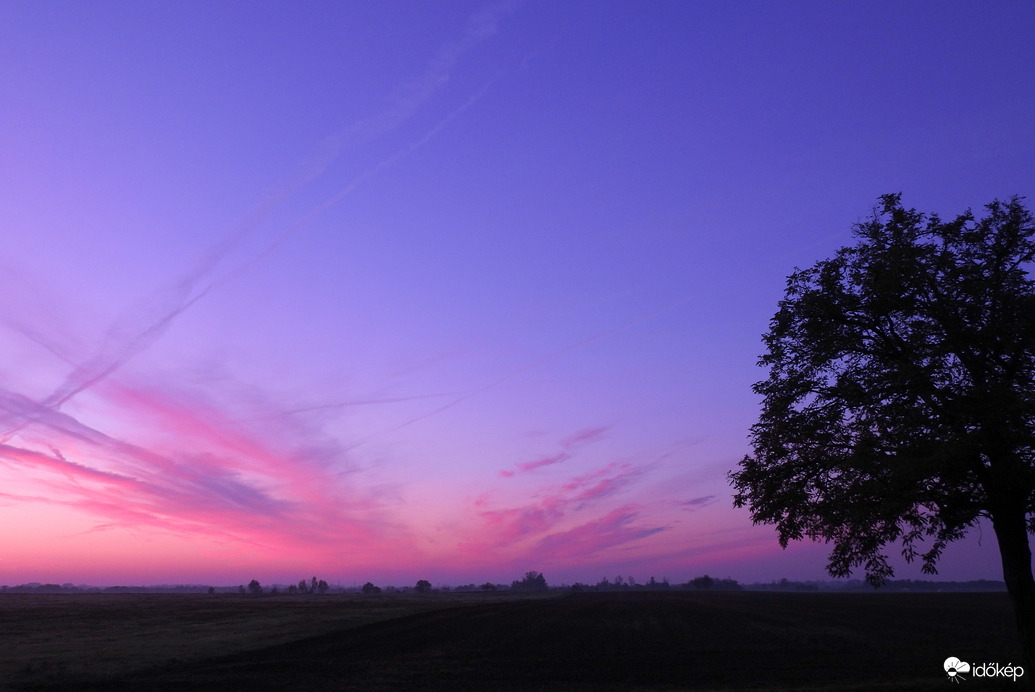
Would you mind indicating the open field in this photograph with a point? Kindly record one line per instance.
(589, 641)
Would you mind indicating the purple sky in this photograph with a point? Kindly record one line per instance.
(446, 290)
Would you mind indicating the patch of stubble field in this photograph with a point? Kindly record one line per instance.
(591, 641)
(56, 638)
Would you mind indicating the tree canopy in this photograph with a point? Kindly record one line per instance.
(533, 581)
(900, 402)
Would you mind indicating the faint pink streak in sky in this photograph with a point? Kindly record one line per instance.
(613, 529)
(507, 531)
(198, 470)
(568, 446)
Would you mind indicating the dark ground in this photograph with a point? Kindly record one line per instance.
(602, 641)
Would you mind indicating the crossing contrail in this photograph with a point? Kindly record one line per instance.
(539, 362)
(135, 332)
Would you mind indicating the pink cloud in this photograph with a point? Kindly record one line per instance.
(613, 529)
(511, 525)
(584, 436)
(199, 470)
(568, 446)
(509, 530)
(545, 461)
(602, 483)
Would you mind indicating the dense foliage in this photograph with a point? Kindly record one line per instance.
(900, 402)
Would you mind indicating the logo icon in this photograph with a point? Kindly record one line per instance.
(954, 667)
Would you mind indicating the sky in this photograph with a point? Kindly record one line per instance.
(445, 290)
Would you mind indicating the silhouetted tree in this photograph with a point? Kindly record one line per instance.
(704, 582)
(663, 584)
(488, 586)
(423, 586)
(322, 586)
(900, 403)
(533, 581)
(254, 586)
(370, 589)
(303, 586)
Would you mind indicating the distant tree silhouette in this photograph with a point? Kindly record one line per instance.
(533, 581)
(663, 584)
(303, 586)
(322, 586)
(488, 586)
(708, 583)
(423, 586)
(254, 586)
(787, 585)
(900, 403)
(370, 589)
(293, 588)
(704, 582)
(211, 589)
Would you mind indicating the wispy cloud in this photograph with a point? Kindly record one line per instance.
(568, 446)
(194, 464)
(138, 329)
(699, 502)
(556, 514)
(614, 529)
(199, 469)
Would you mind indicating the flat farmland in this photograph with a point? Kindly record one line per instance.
(585, 641)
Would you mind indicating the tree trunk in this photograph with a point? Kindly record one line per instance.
(1011, 533)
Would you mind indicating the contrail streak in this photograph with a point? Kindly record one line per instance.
(527, 367)
(182, 295)
(337, 197)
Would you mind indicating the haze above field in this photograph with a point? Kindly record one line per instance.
(389, 291)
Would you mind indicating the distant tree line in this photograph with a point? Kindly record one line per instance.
(320, 586)
(532, 581)
(620, 583)
(313, 586)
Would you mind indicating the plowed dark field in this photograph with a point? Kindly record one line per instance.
(604, 641)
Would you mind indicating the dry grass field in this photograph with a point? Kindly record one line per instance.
(589, 641)
(91, 636)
